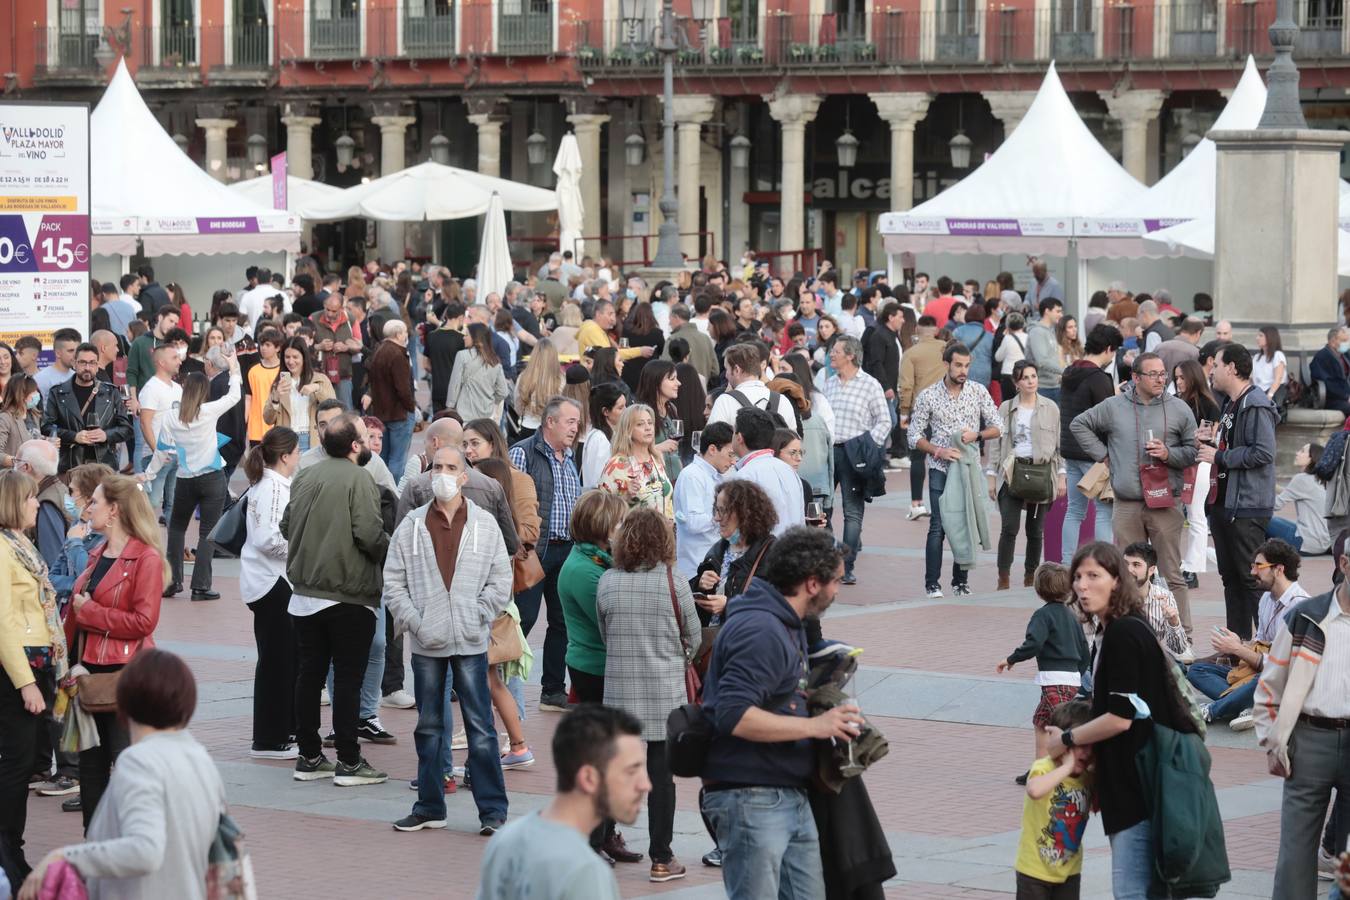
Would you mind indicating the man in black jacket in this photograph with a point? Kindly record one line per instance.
(1083, 385)
(88, 415)
(152, 295)
(881, 351)
(1330, 367)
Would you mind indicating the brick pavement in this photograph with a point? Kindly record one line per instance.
(944, 794)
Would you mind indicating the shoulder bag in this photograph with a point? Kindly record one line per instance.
(231, 530)
(693, 685)
(1029, 481)
(504, 641)
(96, 691)
(527, 571)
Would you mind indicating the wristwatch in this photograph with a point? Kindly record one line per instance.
(1067, 737)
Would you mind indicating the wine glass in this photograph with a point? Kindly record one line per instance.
(675, 428)
(696, 441)
(815, 512)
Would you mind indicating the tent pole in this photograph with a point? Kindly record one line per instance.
(1080, 287)
(126, 264)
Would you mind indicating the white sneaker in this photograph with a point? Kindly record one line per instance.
(935, 593)
(460, 741)
(1242, 721)
(399, 699)
(290, 751)
(323, 697)
(916, 512)
(1326, 865)
(904, 463)
(895, 462)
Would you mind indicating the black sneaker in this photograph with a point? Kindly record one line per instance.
(414, 822)
(371, 730)
(357, 775)
(553, 703)
(488, 829)
(1192, 581)
(960, 590)
(315, 769)
(849, 578)
(72, 804)
(330, 739)
(713, 858)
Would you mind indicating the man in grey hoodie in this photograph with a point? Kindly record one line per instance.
(1142, 425)
(1043, 348)
(446, 580)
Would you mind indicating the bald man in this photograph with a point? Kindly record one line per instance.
(39, 459)
(1223, 330)
(106, 343)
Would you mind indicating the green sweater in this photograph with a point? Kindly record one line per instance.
(578, 581)
(330, 500)
(140, 360)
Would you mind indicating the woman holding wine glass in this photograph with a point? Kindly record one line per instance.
(658, 388)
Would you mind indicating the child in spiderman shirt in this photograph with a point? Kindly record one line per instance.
(1055, 815)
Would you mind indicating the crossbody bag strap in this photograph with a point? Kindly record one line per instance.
(755, 566)
(679, 619)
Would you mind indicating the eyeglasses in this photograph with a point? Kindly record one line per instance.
(720, 511)
(1158, 375)
(795, 454)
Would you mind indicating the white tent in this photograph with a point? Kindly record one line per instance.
(430, 191)
(1025, 197)
(144, 188)
(567, 166)
(304, 197)
(1195, 239)
(494, 250)
(1186, 192)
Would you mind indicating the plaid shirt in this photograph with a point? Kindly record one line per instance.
(936, 409)
(859, 405)
(1173, 637)
(566, 490)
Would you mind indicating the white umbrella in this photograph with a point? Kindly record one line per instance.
(494, 254)
(567, 167)
(432, 192)
(303, 196)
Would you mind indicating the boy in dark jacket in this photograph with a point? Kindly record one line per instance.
(1056, 640)
(1082, 386)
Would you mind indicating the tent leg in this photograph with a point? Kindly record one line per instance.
(126, 264)
(1079, 265)
(290, 267)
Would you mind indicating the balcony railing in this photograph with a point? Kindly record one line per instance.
(62, 51)
(428, 30)
(170, 47)
(335, 30)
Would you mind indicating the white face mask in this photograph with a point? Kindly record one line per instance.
(445, 487)
(182, 353)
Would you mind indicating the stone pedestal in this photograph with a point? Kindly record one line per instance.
(1275, 241)
(217, 132)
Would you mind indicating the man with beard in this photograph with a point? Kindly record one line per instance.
(336, 548)
(762, 755)
(88, 415)
(602, 774)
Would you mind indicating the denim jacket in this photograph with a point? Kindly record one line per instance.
(73, 561)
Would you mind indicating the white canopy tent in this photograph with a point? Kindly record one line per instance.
(1185, 193)
(430, 191)
(1025, 197)
(147, 190)
(304, 197)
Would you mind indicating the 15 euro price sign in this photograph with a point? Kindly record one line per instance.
(44, 220)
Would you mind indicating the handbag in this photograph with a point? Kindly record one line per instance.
(693, 685)
(504, 641)
(229, 871)
(97, 691)
(1030, 481)
(1096, 482)
(231, 529)
(528, 571)
(1155, 478)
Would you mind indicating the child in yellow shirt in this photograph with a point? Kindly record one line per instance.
(1055, 815)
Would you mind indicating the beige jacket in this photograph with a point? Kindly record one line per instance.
(277, 409)
(1044, 439)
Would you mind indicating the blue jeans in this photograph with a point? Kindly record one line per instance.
(138, 455)
(397, 440)
(370, 682)
(343, 389)
(1211, 679)
(1049, 393)
(770, 848)
(162, 488)
(546, 592)
(1132, 861)
(1077, 512)
(1286, 531)
(851, 489)
(433, 678)
(303, 435)
(932, 571)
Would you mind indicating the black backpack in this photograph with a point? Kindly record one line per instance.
(771, 407)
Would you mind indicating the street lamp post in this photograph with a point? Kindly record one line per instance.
(668, 238)
(1283, 109)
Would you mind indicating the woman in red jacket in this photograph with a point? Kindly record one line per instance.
(114, 609)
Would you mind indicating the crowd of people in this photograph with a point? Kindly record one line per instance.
(654, 468)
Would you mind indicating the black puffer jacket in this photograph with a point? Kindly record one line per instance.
(1083, 386)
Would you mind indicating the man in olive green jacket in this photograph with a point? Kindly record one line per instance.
(335, 601)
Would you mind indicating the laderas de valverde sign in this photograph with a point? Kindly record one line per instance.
(44, 219)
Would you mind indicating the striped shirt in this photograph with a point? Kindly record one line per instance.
(1172, 637)
(1329, 695)
(859, 405)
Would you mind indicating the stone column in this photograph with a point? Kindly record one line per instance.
(300, 143)
(489, 143)
(691, 111)
(393, 130)
(793, 112)
(1009, 107)
(1134, 110)
(902, 112)
(586, 126)
(216, 133)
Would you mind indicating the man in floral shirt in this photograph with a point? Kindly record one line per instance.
(955, 410)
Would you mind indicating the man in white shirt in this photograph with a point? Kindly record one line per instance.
(160, 397)
(251, 301)
(754, 435)
(850, 323)
(702, 302)
(131, 287)
(62, 368)
(695, 528)
(744, 364)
